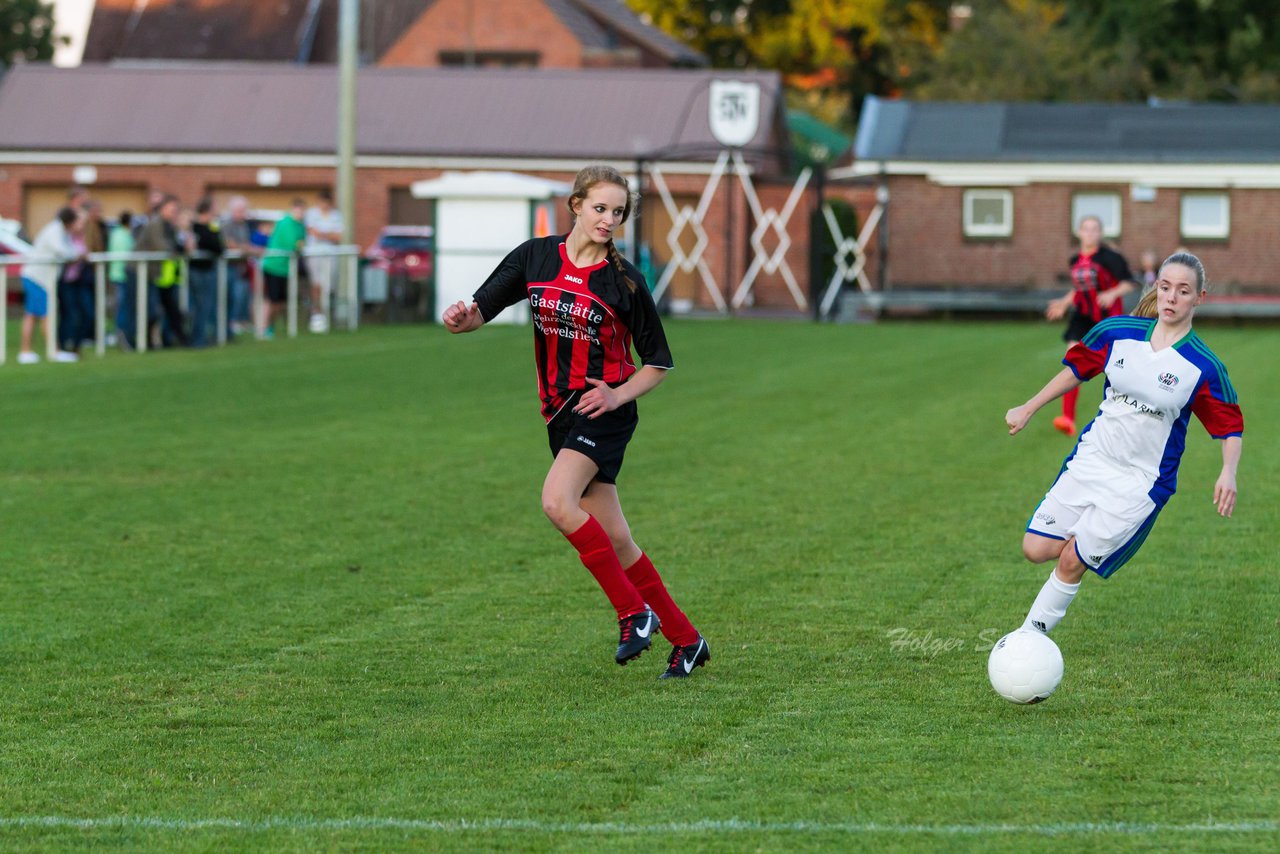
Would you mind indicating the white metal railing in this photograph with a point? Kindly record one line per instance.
(347, 284)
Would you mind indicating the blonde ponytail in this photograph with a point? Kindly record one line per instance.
(1147, 305)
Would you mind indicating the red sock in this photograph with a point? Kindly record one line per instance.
(597, 555)
(1068, 406)
(675, 625)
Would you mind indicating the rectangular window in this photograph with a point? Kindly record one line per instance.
(988, 213)
(1205, 215)
(490, 58)
(1105, 206)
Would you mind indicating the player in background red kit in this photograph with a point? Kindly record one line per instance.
(1100, 278)
(590, 306)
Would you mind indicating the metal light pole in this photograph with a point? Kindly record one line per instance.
(348, 46)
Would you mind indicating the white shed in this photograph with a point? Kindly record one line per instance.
(480, 217)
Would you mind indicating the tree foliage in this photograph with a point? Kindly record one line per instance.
(26, 31)
(833, 53)
(1222, 50)
(1027, 50)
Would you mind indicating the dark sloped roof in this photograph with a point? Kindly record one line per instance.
(617, 15)
(994, 132)
(164, 29)
(585, 30)
(410, 111)
(273, 30)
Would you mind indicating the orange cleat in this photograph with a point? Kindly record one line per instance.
(1063, 424)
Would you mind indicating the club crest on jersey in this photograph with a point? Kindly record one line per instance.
(573, 279)
(1167, 379)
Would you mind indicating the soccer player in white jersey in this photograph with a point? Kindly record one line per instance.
(1124, 466)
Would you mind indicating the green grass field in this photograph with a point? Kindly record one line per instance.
(301, 596)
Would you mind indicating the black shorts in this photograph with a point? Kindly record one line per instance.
(277, 287)
(603, 439)
(1078, 326)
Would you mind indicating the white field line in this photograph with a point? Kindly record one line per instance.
(628, 829)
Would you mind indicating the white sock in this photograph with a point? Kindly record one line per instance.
(1051, 605)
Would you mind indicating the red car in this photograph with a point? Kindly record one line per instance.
(405, 250)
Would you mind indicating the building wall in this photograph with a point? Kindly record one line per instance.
(381, 193)
(928, 247)
(494, 25)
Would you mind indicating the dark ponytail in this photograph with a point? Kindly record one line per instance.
(615, 258)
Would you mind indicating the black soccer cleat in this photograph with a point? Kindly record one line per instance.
(635, 635)
(684, 658)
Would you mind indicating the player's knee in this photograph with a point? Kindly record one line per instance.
(557, 506)
(1039, 549)
(620, 536)
(1070, 568)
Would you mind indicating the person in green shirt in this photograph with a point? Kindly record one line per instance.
(288, 236)
(120, 239)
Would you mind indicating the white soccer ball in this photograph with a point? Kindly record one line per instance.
(1025, 666)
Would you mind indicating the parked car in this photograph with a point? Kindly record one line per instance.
(405, 250)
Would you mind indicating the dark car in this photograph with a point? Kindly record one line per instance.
(405, 250)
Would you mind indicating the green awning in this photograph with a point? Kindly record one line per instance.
(813, 141)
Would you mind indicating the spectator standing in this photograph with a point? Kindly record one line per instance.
(206, 239)
(1149, 272)
(38, 279)
(75, 290)
(288, 236)
(160, 234)
(324, 230)
(125, 278)
(236, 237)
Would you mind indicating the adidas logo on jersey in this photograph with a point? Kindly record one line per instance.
(1119, 363)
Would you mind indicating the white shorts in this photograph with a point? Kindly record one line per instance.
(323, 269)
(1107, 534)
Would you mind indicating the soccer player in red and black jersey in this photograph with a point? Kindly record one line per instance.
(1100, 277)
(589, 308)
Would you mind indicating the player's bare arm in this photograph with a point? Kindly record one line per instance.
(1224, 491)
(1062, 382)
(1058, 308)
(1109, 296)
(604, 398)
(461, 317)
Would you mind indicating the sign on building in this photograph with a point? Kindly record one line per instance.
(734, 112)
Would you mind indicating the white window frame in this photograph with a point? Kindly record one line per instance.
(1096, 203)
(982, 229)
(1190, 231)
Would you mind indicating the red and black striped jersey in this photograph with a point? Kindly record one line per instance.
(1096, 272)
(585, 319)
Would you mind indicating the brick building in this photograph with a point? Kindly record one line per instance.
(986, 195)
(417, 33)
(269, 132)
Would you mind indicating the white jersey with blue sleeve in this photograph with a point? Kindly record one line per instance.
(1124, 466)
